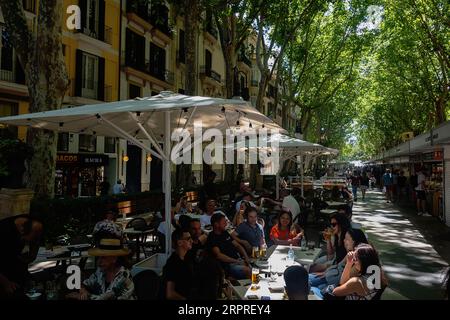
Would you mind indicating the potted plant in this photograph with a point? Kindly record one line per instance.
(14, 198)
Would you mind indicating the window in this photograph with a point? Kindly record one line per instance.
(8, 109)
(157, 62)
(159, 17)
(208, 62)
(63, 141)
(92, 14)
(279, 112)
(134, 91)
(135, 50)
(29, 5)
(7, 56)
(110, 145)
(89, 76)
(181, 48)
(87, 143)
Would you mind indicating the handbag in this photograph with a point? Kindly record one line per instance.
(327, 293)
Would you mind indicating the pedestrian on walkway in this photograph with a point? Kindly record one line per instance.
(421, 195)
(355, 180)
(387, 183)
(364, 184)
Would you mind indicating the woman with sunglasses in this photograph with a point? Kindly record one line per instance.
(179, 269)
(332, 275)
(354, 284)
(335, 243)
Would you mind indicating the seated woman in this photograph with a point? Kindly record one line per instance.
(239, 216)
(111, 280)
(332, 275)
(108, 227)
(354, 286)
(182, 207)
(335, 248)
(284, 232)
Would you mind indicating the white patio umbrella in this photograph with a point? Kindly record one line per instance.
(150, 118)
(291, 148)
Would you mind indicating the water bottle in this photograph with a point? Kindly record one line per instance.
(291, 255)
(303, 243)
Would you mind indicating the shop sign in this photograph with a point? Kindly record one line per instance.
(66, 158)
(433, 156)
(93, 160)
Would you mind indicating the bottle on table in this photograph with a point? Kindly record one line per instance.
(291, 254)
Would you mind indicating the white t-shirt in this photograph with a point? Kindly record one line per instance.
(420, 178)
(290, 202)
(117, 188)
(205, 220)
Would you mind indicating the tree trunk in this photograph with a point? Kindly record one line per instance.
(191, 18)
(45, 71)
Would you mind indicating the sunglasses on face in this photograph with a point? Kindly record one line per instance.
(333, 224)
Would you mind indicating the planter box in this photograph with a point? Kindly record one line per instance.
(14, 202)
(156, 263)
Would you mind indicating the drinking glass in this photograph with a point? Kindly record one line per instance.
(255, 279)
(255, 252)
(263, 251)
(273, 274)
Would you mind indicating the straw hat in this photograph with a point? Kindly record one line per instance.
(109, 248)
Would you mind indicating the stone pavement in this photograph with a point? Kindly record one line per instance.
(414, 250)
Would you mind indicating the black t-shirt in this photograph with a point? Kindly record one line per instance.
(11, 246)
(340, 250)
(224, 242)
(355, 180)
(181, 272)
(365, 181)
(401, 181)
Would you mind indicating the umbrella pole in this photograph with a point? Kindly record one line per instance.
(301, 175)
(167, 184)
(277, 185)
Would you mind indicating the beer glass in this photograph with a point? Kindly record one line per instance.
(262, 251)
(255, 278)
(255, 252)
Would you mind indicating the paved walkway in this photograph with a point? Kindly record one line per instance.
(407, 245)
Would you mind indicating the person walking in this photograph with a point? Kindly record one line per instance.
(421, 195)
(355, 181)
(364, 184)
(387, 183)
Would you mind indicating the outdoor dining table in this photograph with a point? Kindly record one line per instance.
(59, 254)
(328, 212)
(138, 234)
(335, 204)
(273, 289)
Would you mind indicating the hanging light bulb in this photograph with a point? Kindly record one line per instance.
(125, 158)
(149, 157)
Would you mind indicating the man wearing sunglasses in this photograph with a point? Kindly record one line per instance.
(179, 270)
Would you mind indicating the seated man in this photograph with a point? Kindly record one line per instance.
(178, 272)
(205, 219)
(198, 238)
(107, 228)
(248, 198)
(250, 232)
(296, 283)
(288, 202)
(16, 233)
(228, 251)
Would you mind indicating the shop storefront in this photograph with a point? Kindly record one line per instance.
(79, 175)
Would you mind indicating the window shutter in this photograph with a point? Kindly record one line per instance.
(101, 20)
(84, 13)
(78, 72)
(101, 79)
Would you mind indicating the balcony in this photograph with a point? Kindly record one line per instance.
(10, 76)
(105, 37)
(155, 19)
(243, 58)
(210, 34)
(144, 70)
(209, 73)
